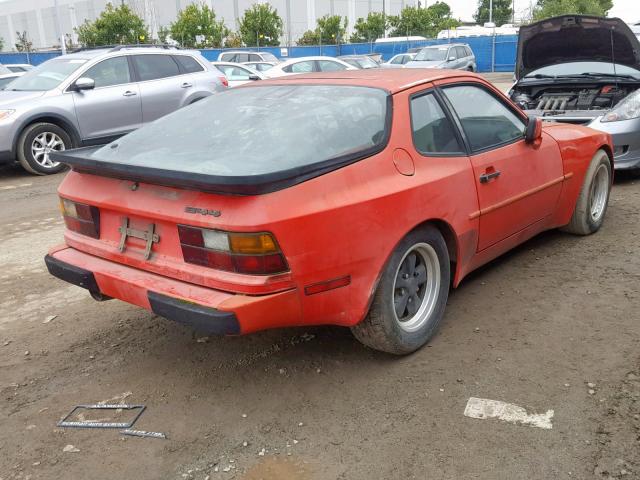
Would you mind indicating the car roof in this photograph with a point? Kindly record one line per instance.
(391, 79)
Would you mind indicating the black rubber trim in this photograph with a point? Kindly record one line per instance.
(80, 160)
(72, 274)
(203, 319)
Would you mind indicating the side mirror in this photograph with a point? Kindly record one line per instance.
(533, 133)
(84, 83)
(254, 77)
(451, 59)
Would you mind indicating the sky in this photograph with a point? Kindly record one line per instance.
(628, 10)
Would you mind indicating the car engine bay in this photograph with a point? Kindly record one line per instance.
(556, 98)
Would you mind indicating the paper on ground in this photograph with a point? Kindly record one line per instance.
(484, 408)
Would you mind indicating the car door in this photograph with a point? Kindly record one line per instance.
(462, 58)
(113, 106)
(305, 66)
(163, 87)
(518, 184)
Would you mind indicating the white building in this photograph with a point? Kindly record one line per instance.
(39, 17)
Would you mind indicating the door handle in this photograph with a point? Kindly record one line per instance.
(129, 93)
(487, 177)
(186, 85)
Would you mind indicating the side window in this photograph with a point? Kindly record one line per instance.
(242, 57)
(433, 132)
(486, 121)
(329, 66)
(452, 53)
(188, 64)
(227, 57)
(152, 67)
(112, 71)
(398, 60)
(253, 57)
(234, 73)
(301, 67)
(406, 59)
(469, 52)
(461, 52)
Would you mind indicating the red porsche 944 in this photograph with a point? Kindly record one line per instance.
(354, 198)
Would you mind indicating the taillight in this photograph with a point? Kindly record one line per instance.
(81, 218)
(250, 253)
(225, 82)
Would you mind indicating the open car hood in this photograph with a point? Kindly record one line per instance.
(575, 38)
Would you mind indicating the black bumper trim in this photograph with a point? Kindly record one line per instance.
(199, 317)
(72, 274)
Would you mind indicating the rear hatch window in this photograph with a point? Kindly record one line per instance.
(250, 140)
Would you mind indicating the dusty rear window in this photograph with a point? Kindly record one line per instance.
(258, 130)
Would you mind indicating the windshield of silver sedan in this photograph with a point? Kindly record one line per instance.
(259, 130)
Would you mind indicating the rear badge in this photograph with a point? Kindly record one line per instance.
(148, 236)
(203, 211)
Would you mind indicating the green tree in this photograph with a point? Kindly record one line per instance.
(261, 25)
(369, 29)
(163, 34)
(426, 22)
(551, 8)
(502, 12)
(1, 43)
(114, 25)
(310, 37)
(233, 40)
(195, 21)
(330, 30)
(23, 44)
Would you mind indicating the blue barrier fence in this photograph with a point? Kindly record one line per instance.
(493, 53)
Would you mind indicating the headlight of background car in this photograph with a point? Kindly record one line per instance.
(5, 113)
(625, 110)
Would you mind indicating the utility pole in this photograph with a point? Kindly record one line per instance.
(384, 17)
(63, 45)
(490, 11)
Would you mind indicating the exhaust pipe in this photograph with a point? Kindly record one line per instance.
(100, 297)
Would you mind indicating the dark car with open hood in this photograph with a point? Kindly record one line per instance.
(586, 70)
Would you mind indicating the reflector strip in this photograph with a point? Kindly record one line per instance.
(327, 285)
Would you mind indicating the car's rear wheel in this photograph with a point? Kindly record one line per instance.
(411, 296)
(594, 197)
(35, 144)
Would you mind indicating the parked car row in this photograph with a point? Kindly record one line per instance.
(93, 96)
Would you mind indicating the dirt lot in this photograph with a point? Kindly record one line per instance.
(532, 328)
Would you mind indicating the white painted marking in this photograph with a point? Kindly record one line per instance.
(483, 408)
(12, 187)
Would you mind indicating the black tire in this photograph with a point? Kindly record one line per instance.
(382, 329)
(593, 200)
(26, 142)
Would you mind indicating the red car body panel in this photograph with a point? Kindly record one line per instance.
(340, 225)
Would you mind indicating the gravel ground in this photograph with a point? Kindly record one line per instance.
(553, 325)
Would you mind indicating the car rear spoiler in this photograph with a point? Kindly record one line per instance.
(80, 160)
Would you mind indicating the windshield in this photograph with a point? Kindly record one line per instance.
(269, 57)
(432, 54)
(47, 75)
(258, 130)
(577, 68)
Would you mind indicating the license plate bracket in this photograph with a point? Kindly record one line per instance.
(149, 236)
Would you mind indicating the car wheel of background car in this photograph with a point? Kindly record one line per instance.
(594, 197)
(34, 146)
(410, 299)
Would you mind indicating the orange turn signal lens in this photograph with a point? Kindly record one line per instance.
(252, 243)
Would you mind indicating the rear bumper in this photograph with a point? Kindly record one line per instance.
(204, 309)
